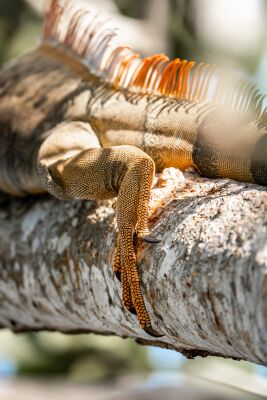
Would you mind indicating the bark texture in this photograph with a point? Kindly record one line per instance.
(205, 284)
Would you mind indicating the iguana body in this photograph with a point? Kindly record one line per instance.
(100, 130)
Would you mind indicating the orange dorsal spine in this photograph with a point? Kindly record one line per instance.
(69, 24)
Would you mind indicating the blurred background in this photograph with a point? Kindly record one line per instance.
(55, 366)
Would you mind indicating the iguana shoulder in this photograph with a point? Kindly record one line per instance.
(37, 92)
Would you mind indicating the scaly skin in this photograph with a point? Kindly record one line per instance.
(64, 131)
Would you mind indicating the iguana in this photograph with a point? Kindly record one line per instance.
(85, 117)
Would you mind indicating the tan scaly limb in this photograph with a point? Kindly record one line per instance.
(101, 173)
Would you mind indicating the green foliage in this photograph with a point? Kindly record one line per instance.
(78, 357)
(19, 28)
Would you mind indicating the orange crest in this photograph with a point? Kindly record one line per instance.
(68, 23)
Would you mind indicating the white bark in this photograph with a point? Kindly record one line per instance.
(205, 284)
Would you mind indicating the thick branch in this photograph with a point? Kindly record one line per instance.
(205, 284)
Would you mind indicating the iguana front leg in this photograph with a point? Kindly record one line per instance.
(72, 165)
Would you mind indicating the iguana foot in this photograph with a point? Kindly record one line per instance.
(129, 292)
(132, 297)
(102, 173)
(132, 219)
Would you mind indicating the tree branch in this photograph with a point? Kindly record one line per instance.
(205, 284)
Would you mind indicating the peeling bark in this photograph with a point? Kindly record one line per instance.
(205, 284)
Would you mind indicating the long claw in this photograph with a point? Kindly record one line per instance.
(153, 333)
(150, 239)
